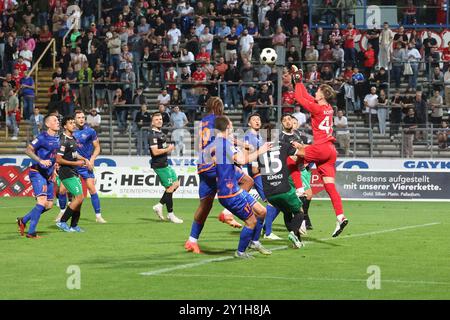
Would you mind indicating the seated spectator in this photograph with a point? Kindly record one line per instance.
(163, 98)
(342, 132)
(171, 77)
(37, 122)
(165, 116)
(203, 97)
(443, 135)
(94, 120)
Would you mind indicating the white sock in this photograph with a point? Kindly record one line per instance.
(170, 214)
(256, 243)
(340, 217)
(192, 240)
(98, 215)
(226, 211)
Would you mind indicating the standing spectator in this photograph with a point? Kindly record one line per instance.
(203, 97)
(114, 46)
(247, 74)
(382, 112)
(373, 37)
(37, 122)
(300, 116)
(178, 121)
(222, 33)
(143, 119)
(400, 38)
(338, 58)
(27, 91)
(232, 45)
(165, 116)
(398, 57)
(386, 38)
(78, 59)
(396, 114)
(370, 103)
(409, 125)
(54, 92)
(409, 13)
(27, 55)
(206, 40)
(63, 59)
(342, 132)
(11, 53)
(250, 101)
(164, 58)
(246, 45)
(128, 78)
(111, 76)
(420, 111)
(447, 87)
(436, 104)
(279, 43)
(98, 76)
(94, 120)
(12, 109)
(68, 98)
(173, 35)
(126, 59)
(121, 111)
(85, 80)
(349, 44)
(413, 57)
(231, 79)
(369, 60)
(265, 103)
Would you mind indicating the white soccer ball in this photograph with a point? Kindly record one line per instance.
(268, 56)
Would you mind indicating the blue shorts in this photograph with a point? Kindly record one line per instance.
(241, 205)
(208, 182)
(85, 173)
(259, 187)
(41, 185)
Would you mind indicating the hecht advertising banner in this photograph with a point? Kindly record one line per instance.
(365, 179)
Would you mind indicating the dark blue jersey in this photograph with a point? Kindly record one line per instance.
(227, 184)
(45, 147)
(85, 138)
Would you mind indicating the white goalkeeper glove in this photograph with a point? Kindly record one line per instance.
(300, 192)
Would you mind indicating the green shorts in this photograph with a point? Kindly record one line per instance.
(73, 185)
(306, 179)
(287, 202)
(167, 176)
(58, 181)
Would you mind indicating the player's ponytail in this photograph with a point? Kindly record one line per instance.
(214, 105)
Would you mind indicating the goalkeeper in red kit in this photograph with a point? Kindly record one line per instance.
(322, 152)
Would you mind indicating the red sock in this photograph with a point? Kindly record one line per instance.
(335, 198)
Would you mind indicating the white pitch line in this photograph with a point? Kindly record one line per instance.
(196, 264)
(301, 279)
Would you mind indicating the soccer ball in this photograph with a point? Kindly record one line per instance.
(268, 56)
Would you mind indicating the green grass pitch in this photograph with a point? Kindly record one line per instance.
(407, 241)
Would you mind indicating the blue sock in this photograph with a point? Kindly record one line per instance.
(258, 228)
(62, 200)
(244, 239)
(35, 216)
(271, 215)
(196, 229)
(95, 203)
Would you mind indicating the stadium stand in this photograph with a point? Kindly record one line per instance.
(78, 54)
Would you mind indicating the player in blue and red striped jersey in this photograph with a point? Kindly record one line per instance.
(42, 151)
(207, 175)
(231, 196)
(255, 140)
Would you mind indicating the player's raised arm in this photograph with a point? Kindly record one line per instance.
(304, 98)
(30, 152)
(245, 157)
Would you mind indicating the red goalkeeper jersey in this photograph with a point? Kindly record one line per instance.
(321, 115)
